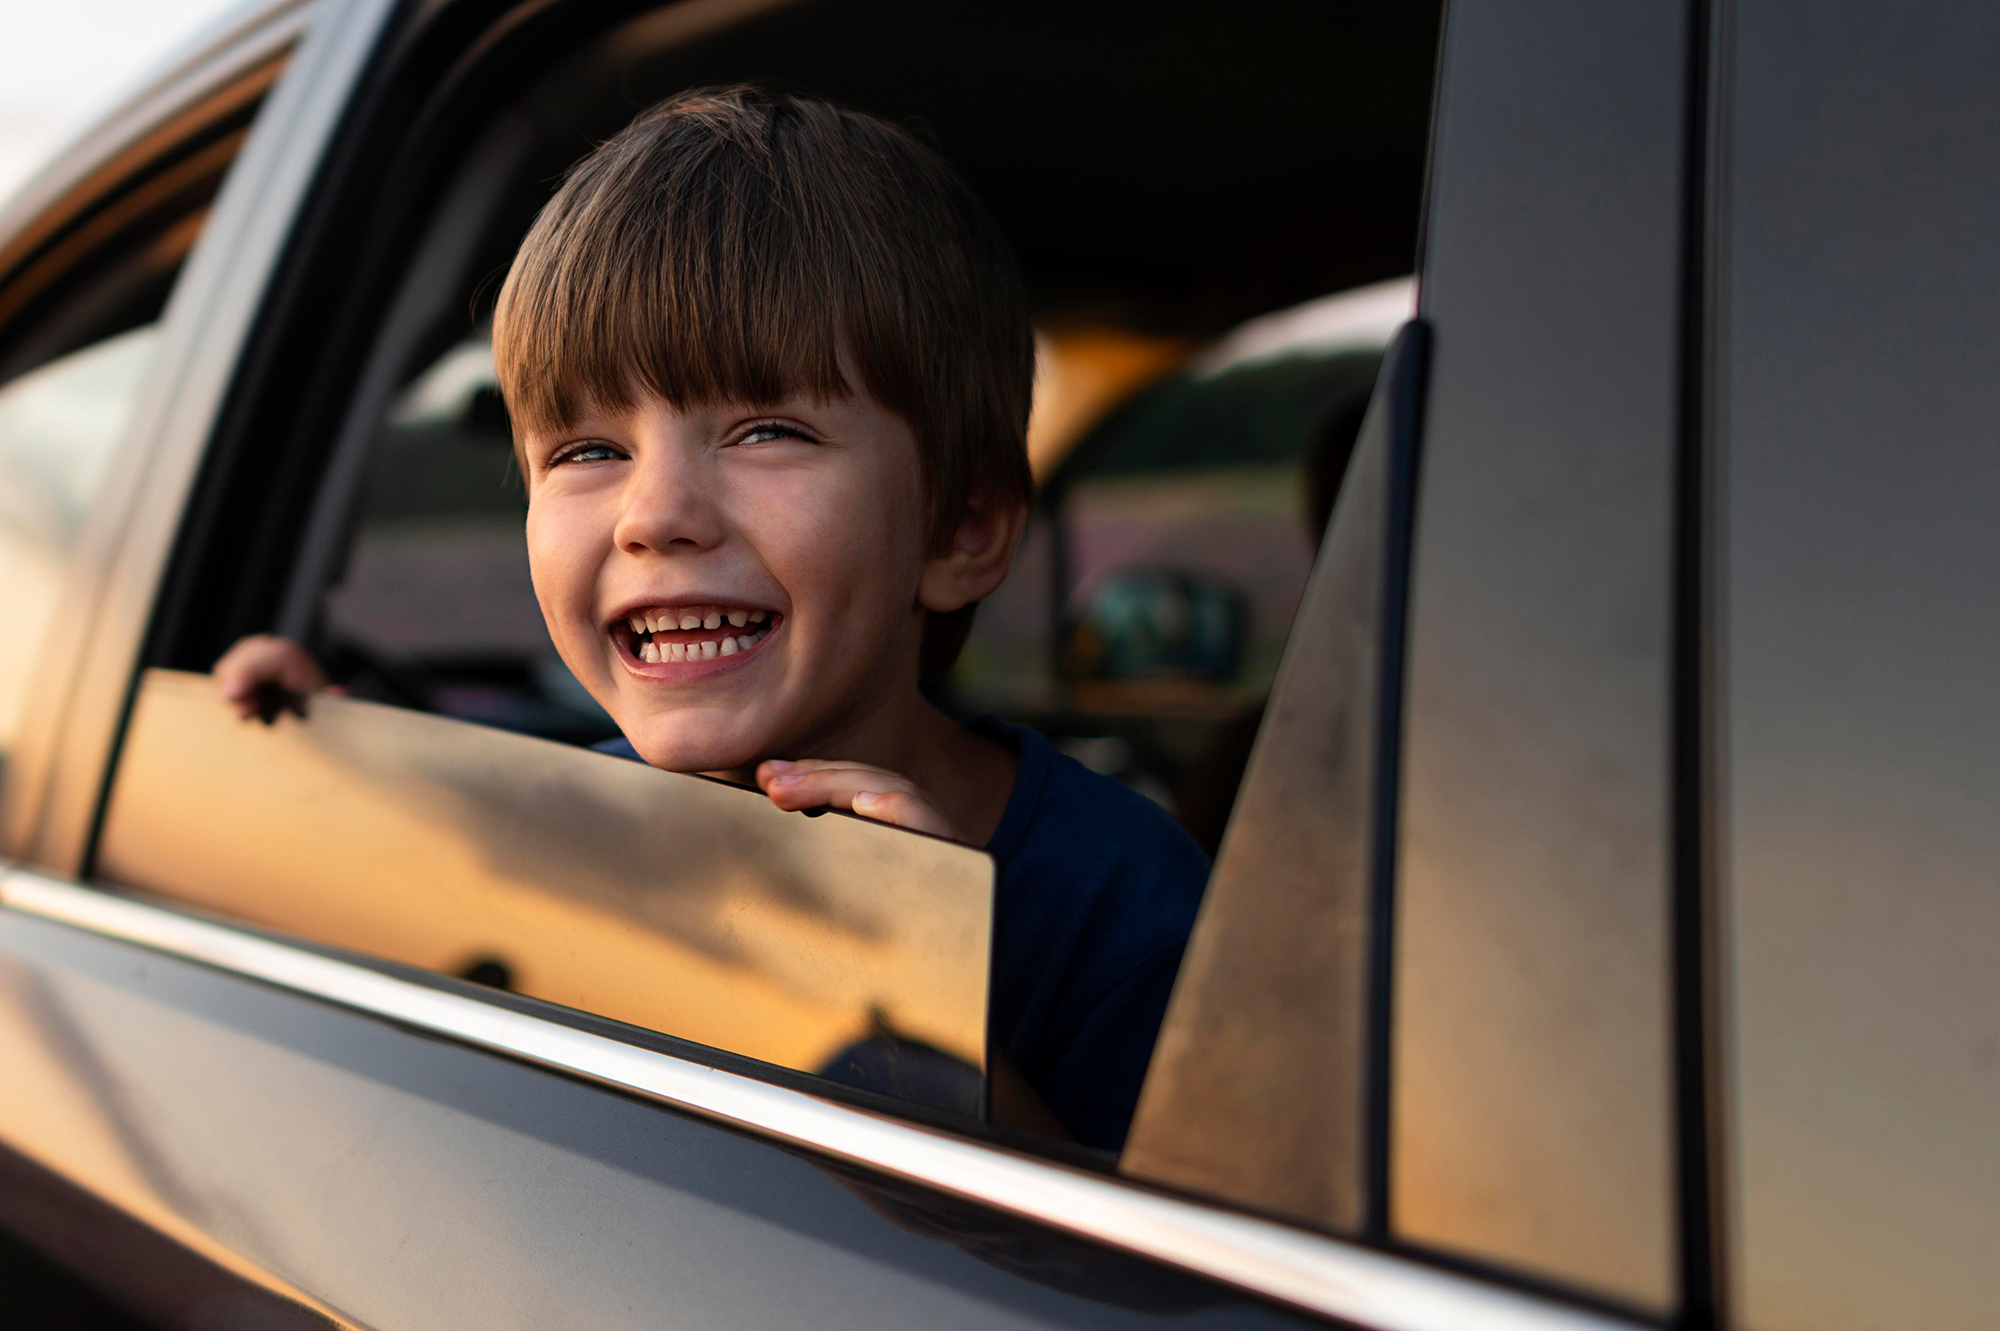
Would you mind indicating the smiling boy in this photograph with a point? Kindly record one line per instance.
(769, 367)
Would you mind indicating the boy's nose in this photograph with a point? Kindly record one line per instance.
(666, 504)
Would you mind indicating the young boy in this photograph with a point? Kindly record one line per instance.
(769, 367)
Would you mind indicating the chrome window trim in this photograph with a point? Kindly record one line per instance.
(1309, 1271)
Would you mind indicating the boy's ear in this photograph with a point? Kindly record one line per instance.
(976, 562)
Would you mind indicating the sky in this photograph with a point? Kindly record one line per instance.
(64, 62)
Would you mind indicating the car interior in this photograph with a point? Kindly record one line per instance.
(1214, 225)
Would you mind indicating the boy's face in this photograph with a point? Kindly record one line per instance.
(789, 541)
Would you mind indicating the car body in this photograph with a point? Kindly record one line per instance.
(1603, 930)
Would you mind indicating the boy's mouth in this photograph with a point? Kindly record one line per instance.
(690, 634)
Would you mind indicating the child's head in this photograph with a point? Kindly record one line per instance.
(769, 367)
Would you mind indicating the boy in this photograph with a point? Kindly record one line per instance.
(769, 367)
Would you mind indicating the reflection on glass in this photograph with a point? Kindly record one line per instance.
(827, 945)
(58, 426)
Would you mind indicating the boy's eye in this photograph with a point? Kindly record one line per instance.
(587, 452)
(766, 431)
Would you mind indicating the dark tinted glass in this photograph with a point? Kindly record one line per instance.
(1287, 954)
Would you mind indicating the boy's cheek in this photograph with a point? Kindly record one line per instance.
(565, 582)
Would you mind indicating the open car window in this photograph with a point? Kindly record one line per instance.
(1192, 423)
(432, 606)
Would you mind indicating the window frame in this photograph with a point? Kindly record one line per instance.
(225, 69)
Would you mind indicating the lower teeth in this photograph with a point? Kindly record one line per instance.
(656, 653)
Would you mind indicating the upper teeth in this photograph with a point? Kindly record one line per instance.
(695, 617)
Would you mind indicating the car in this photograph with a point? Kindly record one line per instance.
(1514, 478)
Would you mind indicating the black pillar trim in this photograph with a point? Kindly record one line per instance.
(1696, 1046)
(1405, 378)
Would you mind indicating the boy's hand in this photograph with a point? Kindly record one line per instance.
(260, 667)
(871, 792)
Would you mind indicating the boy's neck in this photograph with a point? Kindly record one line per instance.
(968, 776)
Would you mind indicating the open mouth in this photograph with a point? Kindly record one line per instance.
(682, 634)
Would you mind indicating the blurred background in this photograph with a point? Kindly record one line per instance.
(61, 64)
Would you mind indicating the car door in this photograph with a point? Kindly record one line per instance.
(1855, 482)
(1370, 1103)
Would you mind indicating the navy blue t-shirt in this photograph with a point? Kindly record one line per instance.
(1097, 892)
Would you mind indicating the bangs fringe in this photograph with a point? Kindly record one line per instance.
(707, 279)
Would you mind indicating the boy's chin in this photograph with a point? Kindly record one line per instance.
(676, 746)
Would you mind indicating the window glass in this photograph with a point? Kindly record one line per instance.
(83, 287)
(681, 905)
(58, 427)
(1283, 947)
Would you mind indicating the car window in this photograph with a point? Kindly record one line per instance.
(59, 426)
(84, 284)
(1282, 958)
(78, 332)
(672, 903)
(1193, 416)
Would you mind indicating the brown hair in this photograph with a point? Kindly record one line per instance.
(733, 244)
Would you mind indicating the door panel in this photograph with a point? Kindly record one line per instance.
(1860, 568)
(403, 1182)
